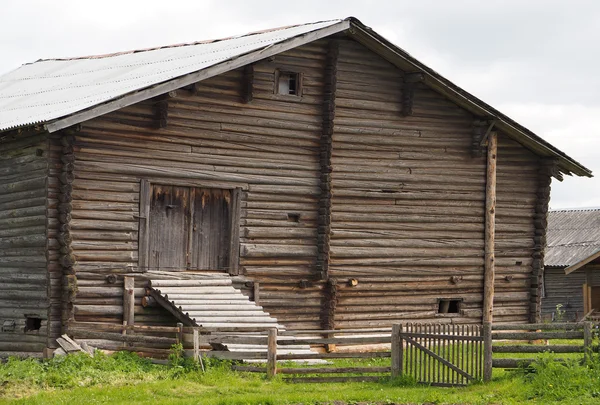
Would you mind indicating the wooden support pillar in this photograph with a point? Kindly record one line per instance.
(490, 226)
(128, 301)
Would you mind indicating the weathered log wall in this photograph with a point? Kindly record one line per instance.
(408, 203)
(214, 135)
(517, 194)
(23, 244)
(407, 195)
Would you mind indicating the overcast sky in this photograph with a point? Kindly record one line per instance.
(538, 61)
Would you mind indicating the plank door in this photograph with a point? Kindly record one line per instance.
(210, 239)
(595, 298)
(169, 228)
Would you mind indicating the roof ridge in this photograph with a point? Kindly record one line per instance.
(183, 44)
(575, 209)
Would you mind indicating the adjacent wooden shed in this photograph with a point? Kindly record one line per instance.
(337, 181)
(571, 276)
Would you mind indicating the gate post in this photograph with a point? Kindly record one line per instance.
(397, 350)
(487, 351)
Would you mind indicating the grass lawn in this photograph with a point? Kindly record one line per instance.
(126, 379)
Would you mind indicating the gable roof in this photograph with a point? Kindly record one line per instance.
(58, 93)
(573, 238)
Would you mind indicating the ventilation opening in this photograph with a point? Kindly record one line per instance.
(288, 83)
(446, 306)
(32, 323)
(293, 217)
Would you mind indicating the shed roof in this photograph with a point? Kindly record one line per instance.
(573, 238)
(58, 93)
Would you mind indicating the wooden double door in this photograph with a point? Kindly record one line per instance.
(189, 228)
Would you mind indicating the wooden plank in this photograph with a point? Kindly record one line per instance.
(234, 249)
(144, 234)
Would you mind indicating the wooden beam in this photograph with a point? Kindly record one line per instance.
(490, 225)
(408, 91)
(128, 300)
(324, 219)
(248, 84)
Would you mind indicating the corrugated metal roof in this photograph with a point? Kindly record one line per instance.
(573, 236)
(49, 89)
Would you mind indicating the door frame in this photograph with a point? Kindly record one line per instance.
(144, 216)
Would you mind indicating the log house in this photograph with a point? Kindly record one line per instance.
(337, 180)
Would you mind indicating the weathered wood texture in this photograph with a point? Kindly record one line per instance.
(267, 145)
(23, 243)
(408, 204)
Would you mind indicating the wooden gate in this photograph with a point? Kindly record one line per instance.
(441, 355)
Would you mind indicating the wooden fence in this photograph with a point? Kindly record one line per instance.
(503, 336)
(436, 354)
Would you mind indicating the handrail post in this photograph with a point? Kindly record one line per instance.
(272, 353)
(487, 351)
(397, 350)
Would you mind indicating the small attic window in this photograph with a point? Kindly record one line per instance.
(288, 83)
(449, 306)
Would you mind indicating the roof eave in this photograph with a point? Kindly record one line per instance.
(402, 59)
(570, 269)
(194, 77)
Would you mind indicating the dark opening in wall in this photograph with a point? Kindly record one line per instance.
(288, 83)
(449, 306)
(32, 323)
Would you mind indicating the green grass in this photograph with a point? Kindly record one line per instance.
(125, 378)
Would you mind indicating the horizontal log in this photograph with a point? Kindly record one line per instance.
(334, 370)
(538, 348)
(536, 335)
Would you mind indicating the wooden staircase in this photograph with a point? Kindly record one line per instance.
(209, 300)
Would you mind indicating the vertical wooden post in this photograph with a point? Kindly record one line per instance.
(196, 345)
(487, 351)
(128, 301)
(272, 353)
(397, 350)
(256, 292)
(490, 226)
(586, 303)
(587, 341)
(179, 332)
